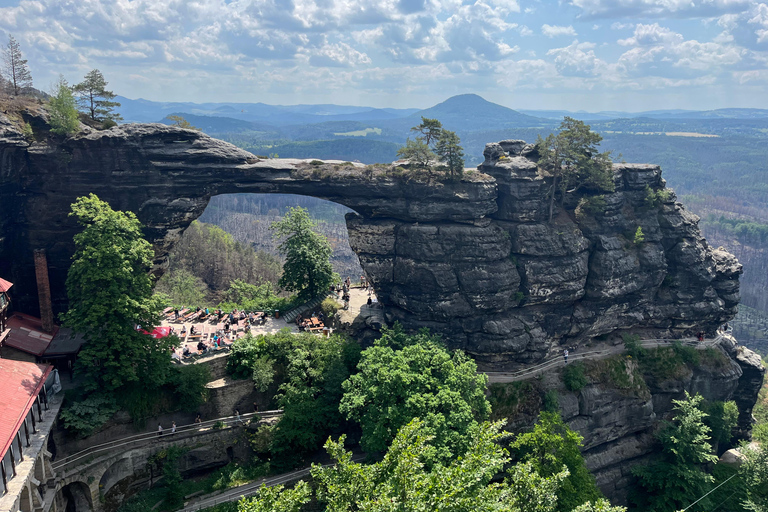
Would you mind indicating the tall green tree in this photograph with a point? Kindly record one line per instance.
(420, 380)
(110, 293)
(63, 109)
(677, 478)
(429, 130)
(450, 152)
(307, 269)
(754, 475)
(574, 161)
(16, 70)
(550, 446)
(277, 499)
(95, 99)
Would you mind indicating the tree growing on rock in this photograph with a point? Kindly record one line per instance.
(677, 478)
(434, 143)
(307, 269)
(574, 162)
(63, 109)
(95, 99)
(181, 122)
(16, 70)
(450, 152)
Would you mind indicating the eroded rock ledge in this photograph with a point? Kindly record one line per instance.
(474, 260)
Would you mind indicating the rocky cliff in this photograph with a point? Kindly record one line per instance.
(475, 260)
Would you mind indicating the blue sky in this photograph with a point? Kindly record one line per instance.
(575, 54)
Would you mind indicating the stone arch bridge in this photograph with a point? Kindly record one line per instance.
(475, 260)
(99, 477)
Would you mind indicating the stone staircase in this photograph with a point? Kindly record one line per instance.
(291, 315)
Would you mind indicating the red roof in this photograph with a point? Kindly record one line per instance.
(20, 383)
(5, 285)
(27, 334)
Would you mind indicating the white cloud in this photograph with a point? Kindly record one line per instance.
(557, 30)
(658, 8)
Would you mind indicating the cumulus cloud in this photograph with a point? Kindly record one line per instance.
(556, 30)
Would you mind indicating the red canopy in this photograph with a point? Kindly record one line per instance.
(5, 285)
(158, 332)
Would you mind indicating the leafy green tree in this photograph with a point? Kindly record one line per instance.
(277, 499)
(110, 293)
(16, 70)
(308, 372)
(63, 109)
(183, 288)
(677, 478)
(421, 380)
(721, 418)
(307, 269)
(430, 130)
(401, 481)
(550, 446)
(310, 396)
(450, 152)
(417, 152)
(95, 99)
(181, 122)
(754, 474)
(572, 158)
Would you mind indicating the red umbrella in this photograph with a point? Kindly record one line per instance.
(158, 332)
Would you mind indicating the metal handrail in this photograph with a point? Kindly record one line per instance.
(150, 436)
(560, 361)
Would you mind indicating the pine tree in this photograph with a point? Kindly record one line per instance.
(572, 158)
(95, 99)
(677, 478)
(449, 150)
(16, 71)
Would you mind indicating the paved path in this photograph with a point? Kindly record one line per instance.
(558, 361)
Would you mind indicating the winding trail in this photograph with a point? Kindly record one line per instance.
(558, 361)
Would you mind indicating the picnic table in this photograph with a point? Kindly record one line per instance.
(315, 325)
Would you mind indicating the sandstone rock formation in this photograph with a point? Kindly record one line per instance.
(475, 260)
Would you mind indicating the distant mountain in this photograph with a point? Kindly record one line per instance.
(469, 112)
(560, 114)
(216, 124)
(145, 111)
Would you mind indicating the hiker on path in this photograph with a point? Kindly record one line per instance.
(565, 355)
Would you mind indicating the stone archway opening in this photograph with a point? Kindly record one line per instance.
(247, 218)
(76, 497)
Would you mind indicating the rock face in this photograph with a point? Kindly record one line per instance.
(475, 260)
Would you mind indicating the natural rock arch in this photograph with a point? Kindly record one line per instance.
(474, 260)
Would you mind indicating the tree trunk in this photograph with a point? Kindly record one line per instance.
(552, 199)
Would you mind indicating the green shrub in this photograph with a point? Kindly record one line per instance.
(329, 307)
(551, 401)
(316, 162)
(108, 123)
(574, 377)
(511, 399)
(218, 425)
(83, 416)
(639, 236)
(26, 131)
(591, 205)
(633, 345)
